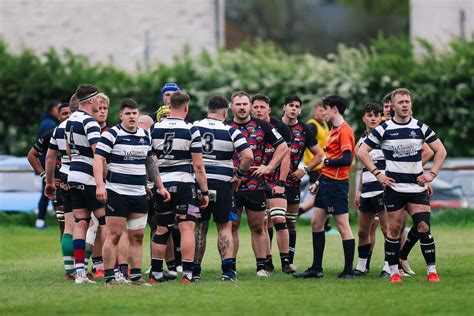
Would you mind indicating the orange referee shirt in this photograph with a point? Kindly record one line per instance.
(340, 139)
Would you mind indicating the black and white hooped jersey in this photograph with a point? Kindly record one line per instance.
(219, 143)
(82, 131)
(58, 142)
(173, 140)
(401, 145)
(370, 185)
(126, 155)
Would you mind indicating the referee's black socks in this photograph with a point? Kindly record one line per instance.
(349, 248)
(319, 241)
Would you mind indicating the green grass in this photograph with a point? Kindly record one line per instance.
(31, 282)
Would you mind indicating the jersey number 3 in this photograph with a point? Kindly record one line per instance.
(207, 143)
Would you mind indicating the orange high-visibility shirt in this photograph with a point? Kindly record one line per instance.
(340, 139)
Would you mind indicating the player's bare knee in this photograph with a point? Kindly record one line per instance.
(422, 227)
(363, 234)
(256, 228)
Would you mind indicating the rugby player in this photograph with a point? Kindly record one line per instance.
(177, 145)
(219, 143)
(401, 140)
(275, 185)
(369, 195)
(250, 190)
(120, 158)
(83, 133)
(332, 196)
(303, 140)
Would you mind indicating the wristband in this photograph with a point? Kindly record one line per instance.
(326, 162)
(43, 175)
(204, 193)
(372, 171)
(280, 183)
(376, 174)
(376, 169)
(433, 173)
(306, 170)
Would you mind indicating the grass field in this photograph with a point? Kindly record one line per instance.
(31, 282)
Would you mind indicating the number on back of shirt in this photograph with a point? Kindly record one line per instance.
(168, 143)
(207, 143)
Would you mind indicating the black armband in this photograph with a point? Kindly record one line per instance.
(204, 193)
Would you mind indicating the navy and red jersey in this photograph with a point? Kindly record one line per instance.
(257, 133)
(302, 138)
(272, 178)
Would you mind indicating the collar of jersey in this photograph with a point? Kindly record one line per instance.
(402, 123)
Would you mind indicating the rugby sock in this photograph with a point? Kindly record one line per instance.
(68, 253)
(226, 266)
(292, 245)
(386, 267)
(412, 238)
(188, 269)
(260, 264)
(428, 250)
(392, 253)
(171, 265)
(109, 275)
(135, 274)
(157, 268)
(364, 251)
(196, 268)
(176, 235)
(123, 267)
(270, 235)
(98, 263)
(87, 256)
(285, 259)
(367, 266)
(269, 261)
(79, 253)
(349, 249)
(319, 241)
(234, 264)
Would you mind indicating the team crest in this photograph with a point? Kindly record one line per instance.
(413, 134)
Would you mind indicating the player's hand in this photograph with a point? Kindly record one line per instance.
(297, 175)
(357, 199)
(430, 190)
(101, 194)
(313, 189)
(235, 183)
(50, 191)
(261, 170)
(64, 186)
(149, 193)
(424, 179)
(204, 200)
(384, 180)
(57, 182)
(164, 194)
(278, 190)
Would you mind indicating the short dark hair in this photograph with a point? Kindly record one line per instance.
(73, 103)
(217, 102)
(373, 108)
(292, 98)
(62, 106)
(336, 101)
(387, 98)
(178, 99)
(84, 91)
(129, 104)
(260, 97)
(239, 93)
(52, 104)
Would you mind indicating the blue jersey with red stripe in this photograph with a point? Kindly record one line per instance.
(302, 138)
(258, 133)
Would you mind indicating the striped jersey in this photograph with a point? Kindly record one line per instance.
(82, 131)
(173, 140)
(126, 155)
(219, 143)
(370, 185)
(58, 142)
(401, 145)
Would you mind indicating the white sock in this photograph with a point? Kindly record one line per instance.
(431, 268)
(361, 264)
(386, 268)
(394, 269)
(188, 274)
(40, 222)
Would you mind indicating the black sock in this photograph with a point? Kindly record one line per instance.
(285, 259)
(260, 264)
(349, 248)
(270, 234)
(367, 265)
(319, 240)
(412, 238)
(226, 266)
(364, 251)
(123, 267)
(156, 265)
(135, 274)
(392, 251)
(196, 269)
(187, 266)
(427, 245)
(176, 235)
(109, 275)
(292, 245)
(171, 265)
